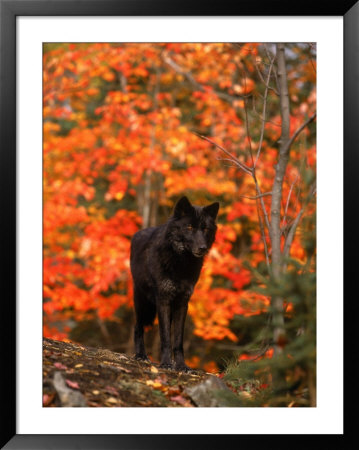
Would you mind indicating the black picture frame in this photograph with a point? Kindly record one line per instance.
(9, 10)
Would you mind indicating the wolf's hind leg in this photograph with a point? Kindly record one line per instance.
(164, 320)
(139, 343)
(145, 315)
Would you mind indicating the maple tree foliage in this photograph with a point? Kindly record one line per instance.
(122, 127)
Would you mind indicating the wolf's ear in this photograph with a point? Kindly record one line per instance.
(183, 207)
(212, 210)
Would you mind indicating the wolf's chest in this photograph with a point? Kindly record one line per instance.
(175, 288)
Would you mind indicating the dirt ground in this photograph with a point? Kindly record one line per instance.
(75, 375)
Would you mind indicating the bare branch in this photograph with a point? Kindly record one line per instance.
(261, 226)
(260, 117)
(248, 133)
(257, 196)
(266, 83)
(291, 234)
(269, 53)
(288, 199)
(311, 59)
(260, 196)
(234, 159)
(258, 190)
(264, 112)
(299, 130)
(293, 228)
(229, 160)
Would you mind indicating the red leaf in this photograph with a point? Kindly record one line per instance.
(179, 399)
(47, 399)
(73, 384)
(59, 365)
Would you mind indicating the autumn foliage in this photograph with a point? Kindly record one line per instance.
(121, 126)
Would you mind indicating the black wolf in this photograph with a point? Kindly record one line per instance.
(165, 263)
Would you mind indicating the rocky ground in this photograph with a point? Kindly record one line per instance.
(79, 376)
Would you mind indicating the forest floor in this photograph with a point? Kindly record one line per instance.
(76, 375)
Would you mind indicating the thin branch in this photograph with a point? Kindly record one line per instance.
(290, 236)
(235, 160)
(261, 226)
(248, 133)
(260, 117)
(311, 59)
(274, 68)
(246, 118)
(266, 83)
(264, 112)
(293, 228)
(257, 196)
(227, 159)
(249, 171)
(288, 199)
(260, 196)
(299, 130)
(258, 190)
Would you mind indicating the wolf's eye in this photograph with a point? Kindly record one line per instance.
(189, 227)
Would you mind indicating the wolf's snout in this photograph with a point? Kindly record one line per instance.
(200, 251)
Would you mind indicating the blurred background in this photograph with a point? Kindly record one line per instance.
(121, 144)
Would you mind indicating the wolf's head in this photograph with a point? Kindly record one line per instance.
(192, 229)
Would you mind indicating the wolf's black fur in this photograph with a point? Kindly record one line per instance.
(166, 262)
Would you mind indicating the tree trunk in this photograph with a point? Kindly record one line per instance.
(277, 302)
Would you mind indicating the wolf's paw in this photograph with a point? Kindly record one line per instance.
(141, 357)
(168, 366)
(184, 368)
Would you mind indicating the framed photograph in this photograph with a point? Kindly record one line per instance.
(221, 138)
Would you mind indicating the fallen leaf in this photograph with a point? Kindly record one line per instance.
(47, 399)
(59, 365)
(72, 384)
(163, 378)
(111, 390)
(174, 390)
(95, 404)
(78, 366)
(180, 400)
(154, 369)
(154, 384)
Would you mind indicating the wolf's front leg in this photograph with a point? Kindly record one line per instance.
(164, 319)
(179, 318)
